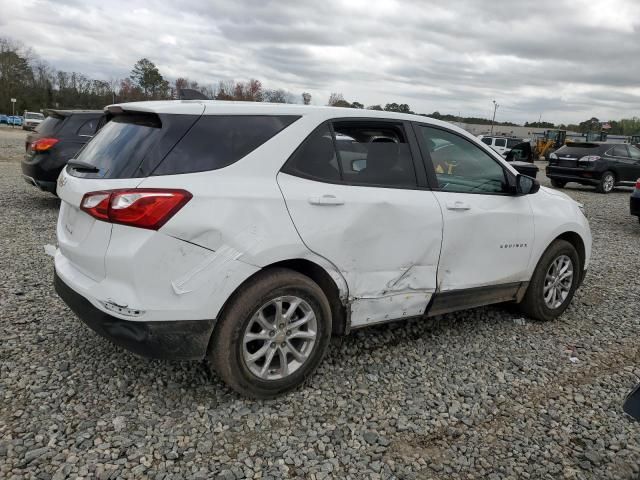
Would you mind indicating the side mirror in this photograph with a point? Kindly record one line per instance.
(526, 185)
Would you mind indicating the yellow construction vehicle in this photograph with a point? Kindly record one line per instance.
(551, 141)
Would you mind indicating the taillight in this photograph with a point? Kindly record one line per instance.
(43, 144)
(638, 184)
(139, 207)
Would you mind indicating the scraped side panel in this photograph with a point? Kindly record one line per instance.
(385, 242)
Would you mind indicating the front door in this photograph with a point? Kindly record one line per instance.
(488, 233)
(353, 195)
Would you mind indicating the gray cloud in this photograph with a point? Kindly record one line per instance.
(562, 59)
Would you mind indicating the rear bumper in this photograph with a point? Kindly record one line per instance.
(634, 203)
(578, 175)
(170, 340)
(46, 186)
(41, 171)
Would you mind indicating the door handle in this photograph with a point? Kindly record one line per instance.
(458, 205)
(326, 200)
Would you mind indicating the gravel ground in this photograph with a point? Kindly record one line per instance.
(477, 394)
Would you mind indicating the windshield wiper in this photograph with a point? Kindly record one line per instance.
(80, 165)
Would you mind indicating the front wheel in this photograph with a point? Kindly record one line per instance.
(553, 283)
(273, 334)
(607, 182)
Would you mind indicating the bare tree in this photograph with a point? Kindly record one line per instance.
(334, 98)
(306, 98)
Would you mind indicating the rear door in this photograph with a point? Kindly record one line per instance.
(624, 164)
(358, 199)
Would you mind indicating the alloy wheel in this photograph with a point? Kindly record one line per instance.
(558, 281)
(279, 338)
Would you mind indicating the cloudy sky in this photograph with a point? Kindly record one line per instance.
(563, 60)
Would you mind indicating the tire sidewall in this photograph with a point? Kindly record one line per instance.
(555, 251)
(602, 182)
(237, 318)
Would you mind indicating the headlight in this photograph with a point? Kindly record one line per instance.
(553, 156)
(589, 158)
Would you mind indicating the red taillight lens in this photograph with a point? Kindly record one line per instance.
(43, 144)
(638, 184)
(140, 207)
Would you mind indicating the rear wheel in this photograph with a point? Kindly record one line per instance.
(272, 335)
(607, 182)
(557, 183)
(553, 283)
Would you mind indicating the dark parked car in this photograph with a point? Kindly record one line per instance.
(56, 140)
(634, 201)
(604, 165)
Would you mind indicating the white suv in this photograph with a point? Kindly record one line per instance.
(249, 233)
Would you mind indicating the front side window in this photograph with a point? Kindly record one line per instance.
(501, 142)
(487, 140)
(368, 153)
(461, 166)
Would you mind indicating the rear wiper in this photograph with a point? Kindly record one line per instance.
(80, 165)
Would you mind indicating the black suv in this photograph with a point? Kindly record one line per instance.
(604, 165)
(55, 141)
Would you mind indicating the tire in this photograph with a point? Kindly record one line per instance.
(229, 357)
(607, 182)
(557, 183)
(534, 304)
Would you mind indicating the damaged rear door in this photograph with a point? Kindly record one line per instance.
(357, 197)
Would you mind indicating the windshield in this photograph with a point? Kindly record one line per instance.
(34, 116)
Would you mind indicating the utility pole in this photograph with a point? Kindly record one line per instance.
(495, 107)
(13, 112)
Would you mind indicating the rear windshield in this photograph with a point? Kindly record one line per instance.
(34, 116)
(141, 145)
(49, 125)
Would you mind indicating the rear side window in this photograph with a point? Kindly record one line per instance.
(216, 141)
(500, 142)
(486, 140)
(49, 125)
(620, 151)
(357, 153)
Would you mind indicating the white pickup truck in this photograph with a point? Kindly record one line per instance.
(32, 120)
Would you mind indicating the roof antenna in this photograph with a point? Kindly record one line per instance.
(191, 94)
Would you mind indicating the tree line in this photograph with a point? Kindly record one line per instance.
(36, 86)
